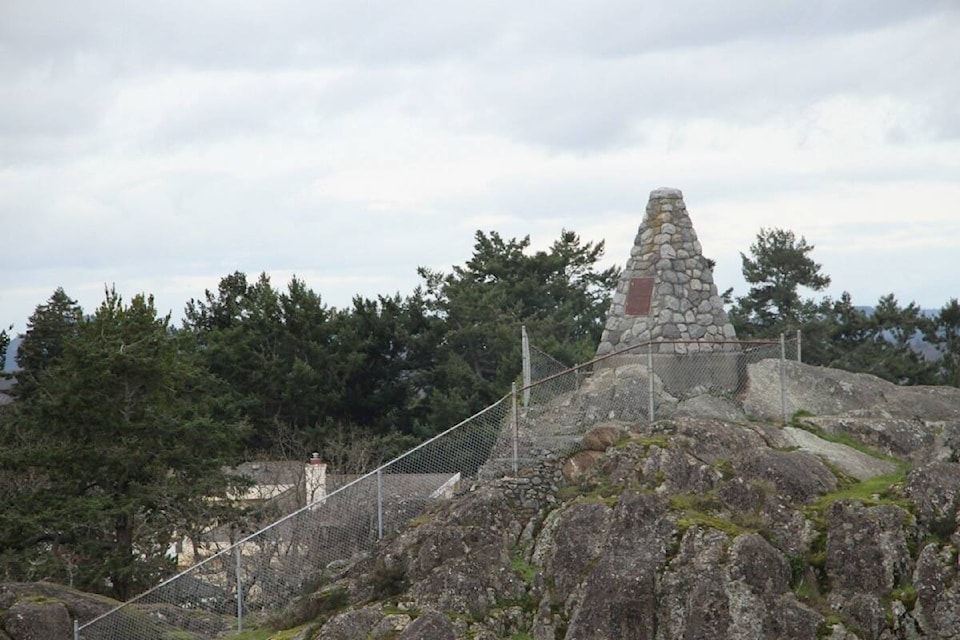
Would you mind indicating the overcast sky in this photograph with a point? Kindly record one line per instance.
(160, 146)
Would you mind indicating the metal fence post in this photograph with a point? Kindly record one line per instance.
(516, 430)
(239, 590)
(380, 503)
(651, 408)
(525, 349)
(799, 346)
(783, 378)
(76, 629)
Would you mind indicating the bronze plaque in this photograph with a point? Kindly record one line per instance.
(638, 296)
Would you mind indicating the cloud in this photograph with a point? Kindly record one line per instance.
(165, 145)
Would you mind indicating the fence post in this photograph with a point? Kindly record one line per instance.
(651, 408)
(516, 430)
(525, 349)
(783, 379)
(380, 503)
(239, 590)
(76, 629)
(799, 346)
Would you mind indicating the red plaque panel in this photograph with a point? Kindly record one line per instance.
(638, 296)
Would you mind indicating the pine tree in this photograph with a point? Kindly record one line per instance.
(124, 451)
(780, 265)
(49, 328)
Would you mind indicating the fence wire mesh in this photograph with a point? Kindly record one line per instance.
(239, 580)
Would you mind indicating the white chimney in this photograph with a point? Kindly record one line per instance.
(315, 479)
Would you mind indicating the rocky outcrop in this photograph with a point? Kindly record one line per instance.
(842, 524)
(832, 392)
(38, 620)
(706, 523)
(45, 611)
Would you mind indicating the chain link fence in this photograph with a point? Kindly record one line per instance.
(239, 581)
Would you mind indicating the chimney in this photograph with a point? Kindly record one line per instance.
(315, 479)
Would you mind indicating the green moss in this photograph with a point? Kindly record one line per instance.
(569, 492)
(393, 610)
(694, 502)
(907, 595)
(662, 441)
(523, 568)
(702, 510)
(693, 518)
(603, 492)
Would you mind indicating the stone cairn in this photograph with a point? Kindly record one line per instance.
(666, 291)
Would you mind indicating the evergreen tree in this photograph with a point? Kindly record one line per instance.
(881, 342)
(121, 451)
(559, 294)
(780, 265)
(386, 350)
(49, 328)
(274, 352)
(944, 332)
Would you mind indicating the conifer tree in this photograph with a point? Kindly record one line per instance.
(124, 452)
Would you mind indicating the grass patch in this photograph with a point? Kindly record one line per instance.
(422, 519)
(266, 634)
(662, 441)
(695, 518)
(839, 438)
(522, 568)
(394, 610)
(694, 502)
(877, 490)
(825, 629)
(907, 595)
(700, 510)
(606, 493)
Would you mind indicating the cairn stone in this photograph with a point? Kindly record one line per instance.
(666, 291)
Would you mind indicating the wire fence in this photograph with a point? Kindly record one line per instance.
(239, 581)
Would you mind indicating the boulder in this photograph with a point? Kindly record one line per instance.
(822, 391)
(577, 465)
(38, 620)
(935, 490)
(431, 625)
(350, 624)
(797, 476)
(602, 437)
(867, 550)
